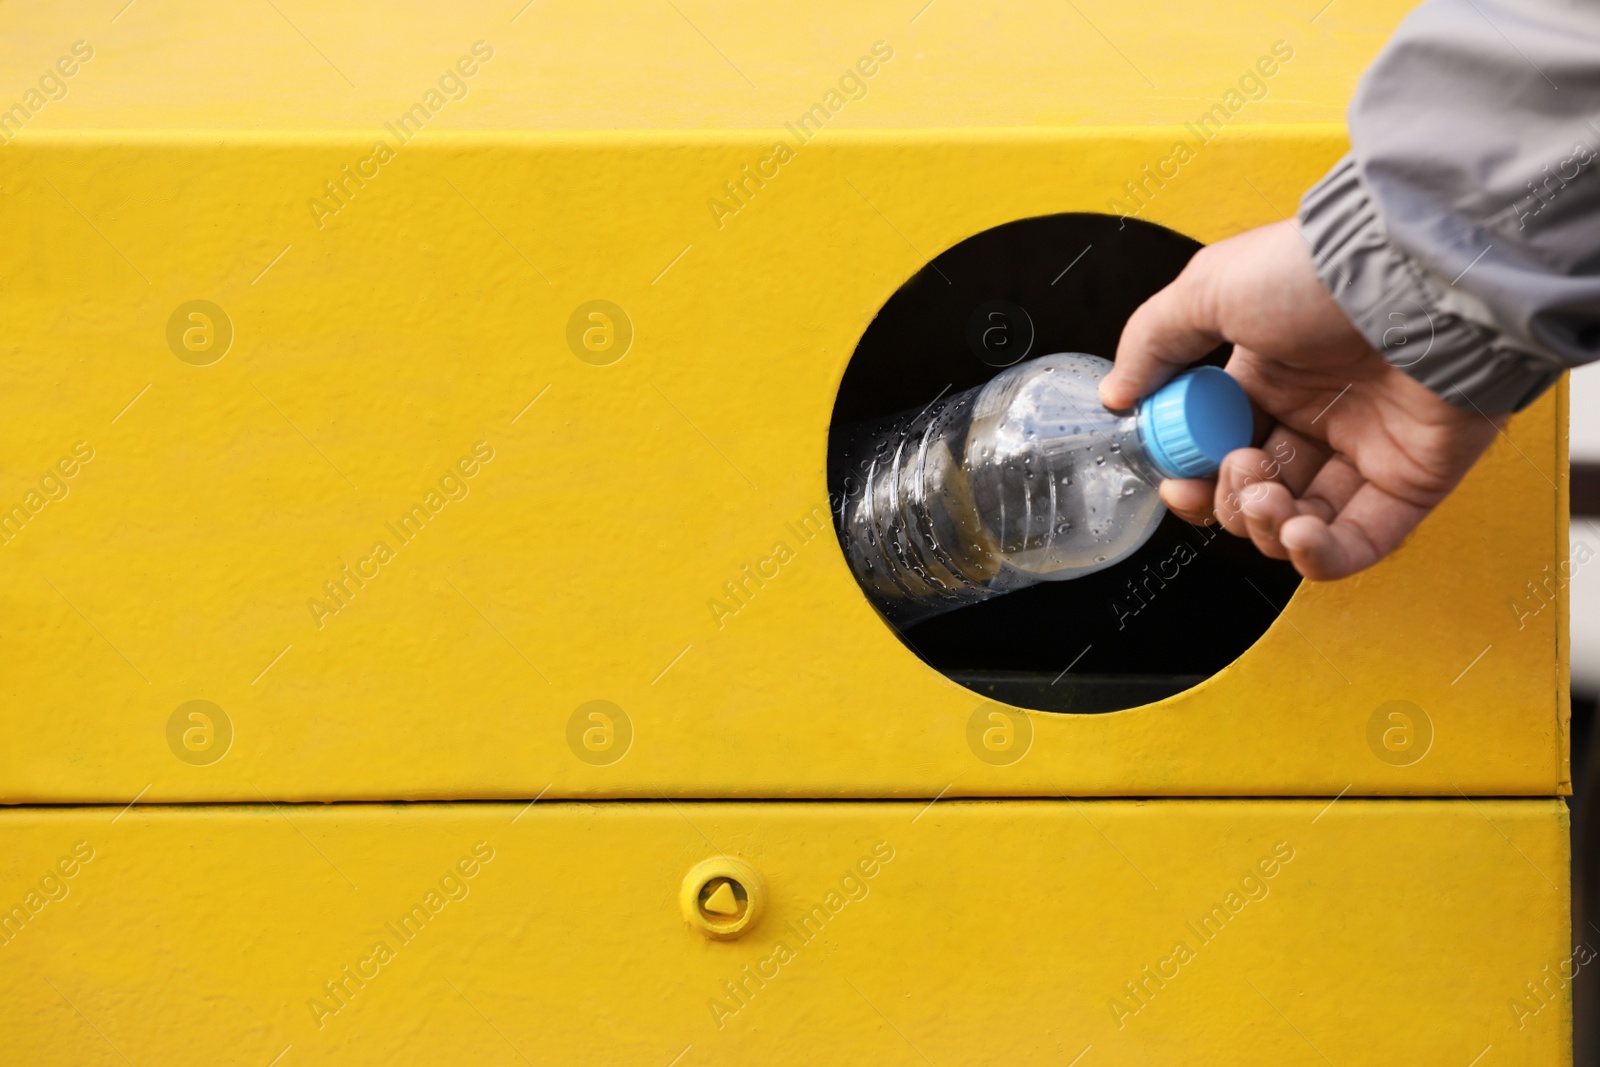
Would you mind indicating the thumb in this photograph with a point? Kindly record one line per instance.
(1165, 334)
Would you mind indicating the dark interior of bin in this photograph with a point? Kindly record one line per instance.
(1085, 645)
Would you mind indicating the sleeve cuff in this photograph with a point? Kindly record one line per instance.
(1404, 311)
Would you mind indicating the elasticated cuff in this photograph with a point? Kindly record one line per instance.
(1399, 306)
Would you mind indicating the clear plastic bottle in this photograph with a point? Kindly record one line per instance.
(1026, 479)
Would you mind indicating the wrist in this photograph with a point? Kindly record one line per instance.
(1420, 323)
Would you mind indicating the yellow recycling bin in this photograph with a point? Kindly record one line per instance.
(436, 406)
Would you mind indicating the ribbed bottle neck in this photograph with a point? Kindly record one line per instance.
(1134, 447)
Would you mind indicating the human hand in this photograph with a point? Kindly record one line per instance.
(1359, 452)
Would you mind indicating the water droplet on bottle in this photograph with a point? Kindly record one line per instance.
(1099, 461)
(1099, 559)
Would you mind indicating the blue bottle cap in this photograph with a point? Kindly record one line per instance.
(1191, 423)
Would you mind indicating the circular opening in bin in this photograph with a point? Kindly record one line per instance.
(1184, 606)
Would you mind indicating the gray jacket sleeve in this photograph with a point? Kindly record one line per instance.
(1462, 232)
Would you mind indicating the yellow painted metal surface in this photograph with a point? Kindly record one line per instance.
(1368, 932)
(580, 559)
(361, 351)
(693, 64)
(285, 283)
